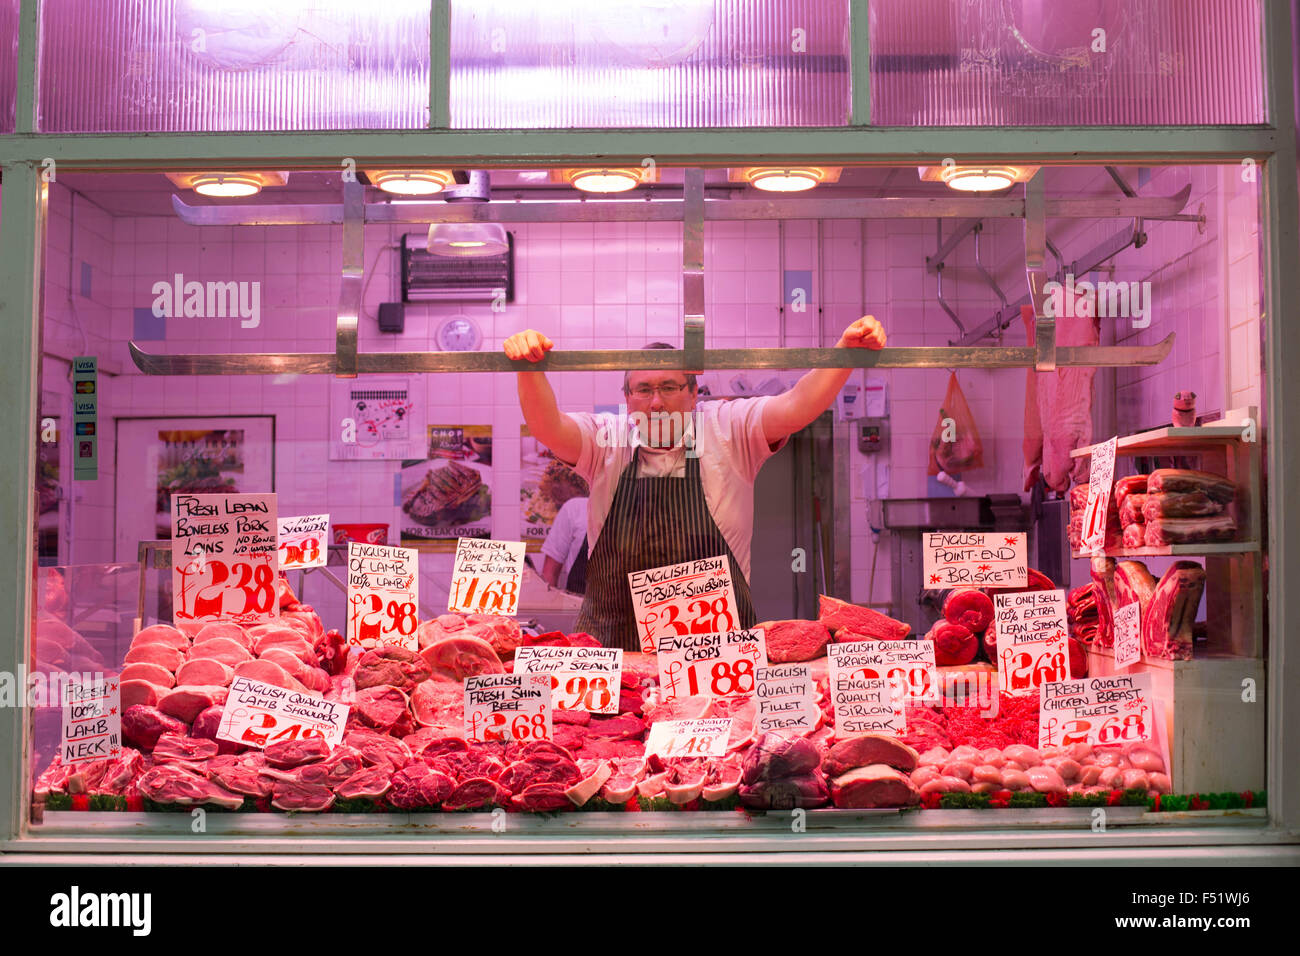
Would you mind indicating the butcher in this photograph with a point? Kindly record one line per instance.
(673, 494)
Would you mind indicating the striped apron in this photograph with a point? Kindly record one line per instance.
(652, 522)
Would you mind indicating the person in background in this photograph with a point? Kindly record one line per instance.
(565, 548)
(651, 503)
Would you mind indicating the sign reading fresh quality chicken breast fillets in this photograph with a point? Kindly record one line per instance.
(994, 559)
(1115, 709)
(694, 597)
(224, 559)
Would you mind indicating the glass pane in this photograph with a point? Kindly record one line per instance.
(1089, 62)
(8, 62)
(594, 64)
(174, 65)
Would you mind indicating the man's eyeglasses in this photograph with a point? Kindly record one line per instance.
(667, 390)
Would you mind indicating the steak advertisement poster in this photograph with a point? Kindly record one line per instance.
(448, 494)
(545, 485)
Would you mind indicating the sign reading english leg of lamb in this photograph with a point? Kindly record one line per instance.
(304, 541)
(486, 575)
(508, 708)
(787, 700)
(910, 663)
(694, 597)
(258, 715)
(92, 720)
(716, 665)
(582, 678)
(979, 559)
(863, 705)
(224, 559)
(1115, 709)
(383, 594)
(1032, 640)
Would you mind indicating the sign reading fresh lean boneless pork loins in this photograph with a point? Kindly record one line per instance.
(694, 597)
(224, 560)
(978, 559)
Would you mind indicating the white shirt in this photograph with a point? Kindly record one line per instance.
(564, 540)
(732, 448)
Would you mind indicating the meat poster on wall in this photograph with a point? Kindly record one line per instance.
(197, 461)
(383, 595)
(508, 707)
(258, 715)
(694, 597)
(448, 494)
(225, 560)
(546, 485)
(974, 559)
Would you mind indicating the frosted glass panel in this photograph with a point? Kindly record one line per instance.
(1056, 63)
(649, 63)
(8, 62)
(177, 65)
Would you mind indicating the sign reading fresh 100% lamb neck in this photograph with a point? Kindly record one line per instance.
(485, 577)
(224, 560)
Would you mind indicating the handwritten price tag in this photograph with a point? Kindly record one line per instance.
(303, 541)
(1115, 709)
(695, 597)
(974, 559)
(717, 665)
(1101, 479)
(908, 663)
(508, 707)
(383, 595)
(582, 678)
(787, 700)
(1128, 639)
(224, 559)
(689, 738)
(258, 714)
(486, 575)
(863, 705)
(1025, 667)
(92, 721)
(1030, 616)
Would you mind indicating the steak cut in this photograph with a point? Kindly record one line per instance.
(438, 703)
(503, 632)
(293, 753)
(172, 747)
(309, 797)
(379, 750)
(539, 768)
(455, 658)
(162, 634)
(391, 665)
(868, 749)
(476, 793)
(1133, 583)
(543, 798)
(417, 786)
(1185, 480)
(1167, 624)
(137, 693)
(775, 756)
(865, 623)
(1103, 579)
(241, 774)
(166, 783)
(1164, 531)
(872, 786)
(151, 673)
(620, 727)
(204, 671)
(186, 703)
(379, 708)
(969, 607)
(786, 793)
(792, 641)
(370, 783)
(142, 726)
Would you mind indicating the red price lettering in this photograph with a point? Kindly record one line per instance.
(1135, 727)
(366, 623)
(679, 627)
(735, 678)
(496, 728)
(599, 696)
(261, 597)
(1075, 732)
(401, 618)
(524, 727)
(471, 585)
(713, 617)
(208, 600)
(250, 734)
(509, 598)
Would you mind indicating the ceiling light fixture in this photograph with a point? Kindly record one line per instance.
(984, 179)
(411, 182)
(228, 185)
(785, 179)
(606, 179)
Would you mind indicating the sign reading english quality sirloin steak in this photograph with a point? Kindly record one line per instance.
(993, 559)
(863, 705)
(694, 597)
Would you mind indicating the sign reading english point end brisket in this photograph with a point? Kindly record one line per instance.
(978, 559)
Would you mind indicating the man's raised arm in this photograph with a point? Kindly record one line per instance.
(550, 426)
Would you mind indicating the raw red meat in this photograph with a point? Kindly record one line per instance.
(142, 726)
(1031, 445)
(417, 786)
(1135, 536)
(455, 658)
(171, 747)
(786, 793)
(390, 665)
(1131, 509)
(639, 669)
(873, 786)
(185, 703)
(466, 764)
(331, 652)
(476, 793)
(162, 634)
(1133, 584)
(969, 607)
(223, 649)
(863, 622)
(267, 636)
(1185, 480)
(1179, 504)
(241, 774)
(136, 693)
(289, 795)
(1078, 659)
(293, 753)
(379, 750)
(203, 671)
(379, 708)
(438, 703)
(167, 783)
(372, 783)
(867, 749)
(1132, 485)
(791, 641)
(164, 655)
(623, 726)
(1065, 402)
(269, 672)
(206, 725)
(1167, 625)
(1103, 579)
(151, 673)
(775, 756)
(226, 630)
(440, 628)
(539, 768)
(1165, 531)
(542, 797)
(953, 644)
(583, 639)
(502, 632)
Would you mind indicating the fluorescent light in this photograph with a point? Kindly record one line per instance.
(983, 179)
(226, 185)
(785, 179)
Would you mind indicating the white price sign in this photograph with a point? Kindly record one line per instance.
(92, 721)
(1128, 635)
(909, 663)
(485, 578)
(508, 707)
(1023, 616)
(582, 678)
(977, 559)
(694, 597)
(1115, 709)
(224, 559)
(258, 714)
(1101, 479)
(689, 738)
(716, 665)
(304, 541)
(787, 699)
(863, 705)
(1026, 666)
(383, 595)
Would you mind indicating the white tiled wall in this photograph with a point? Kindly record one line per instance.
(618, 285)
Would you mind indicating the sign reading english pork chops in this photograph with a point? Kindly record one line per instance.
(994, 559)
(694, 597)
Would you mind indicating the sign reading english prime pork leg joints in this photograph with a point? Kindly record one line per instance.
(224, 560)
(383, 595)
(694, 597)
(486, 575)
(978, 559)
